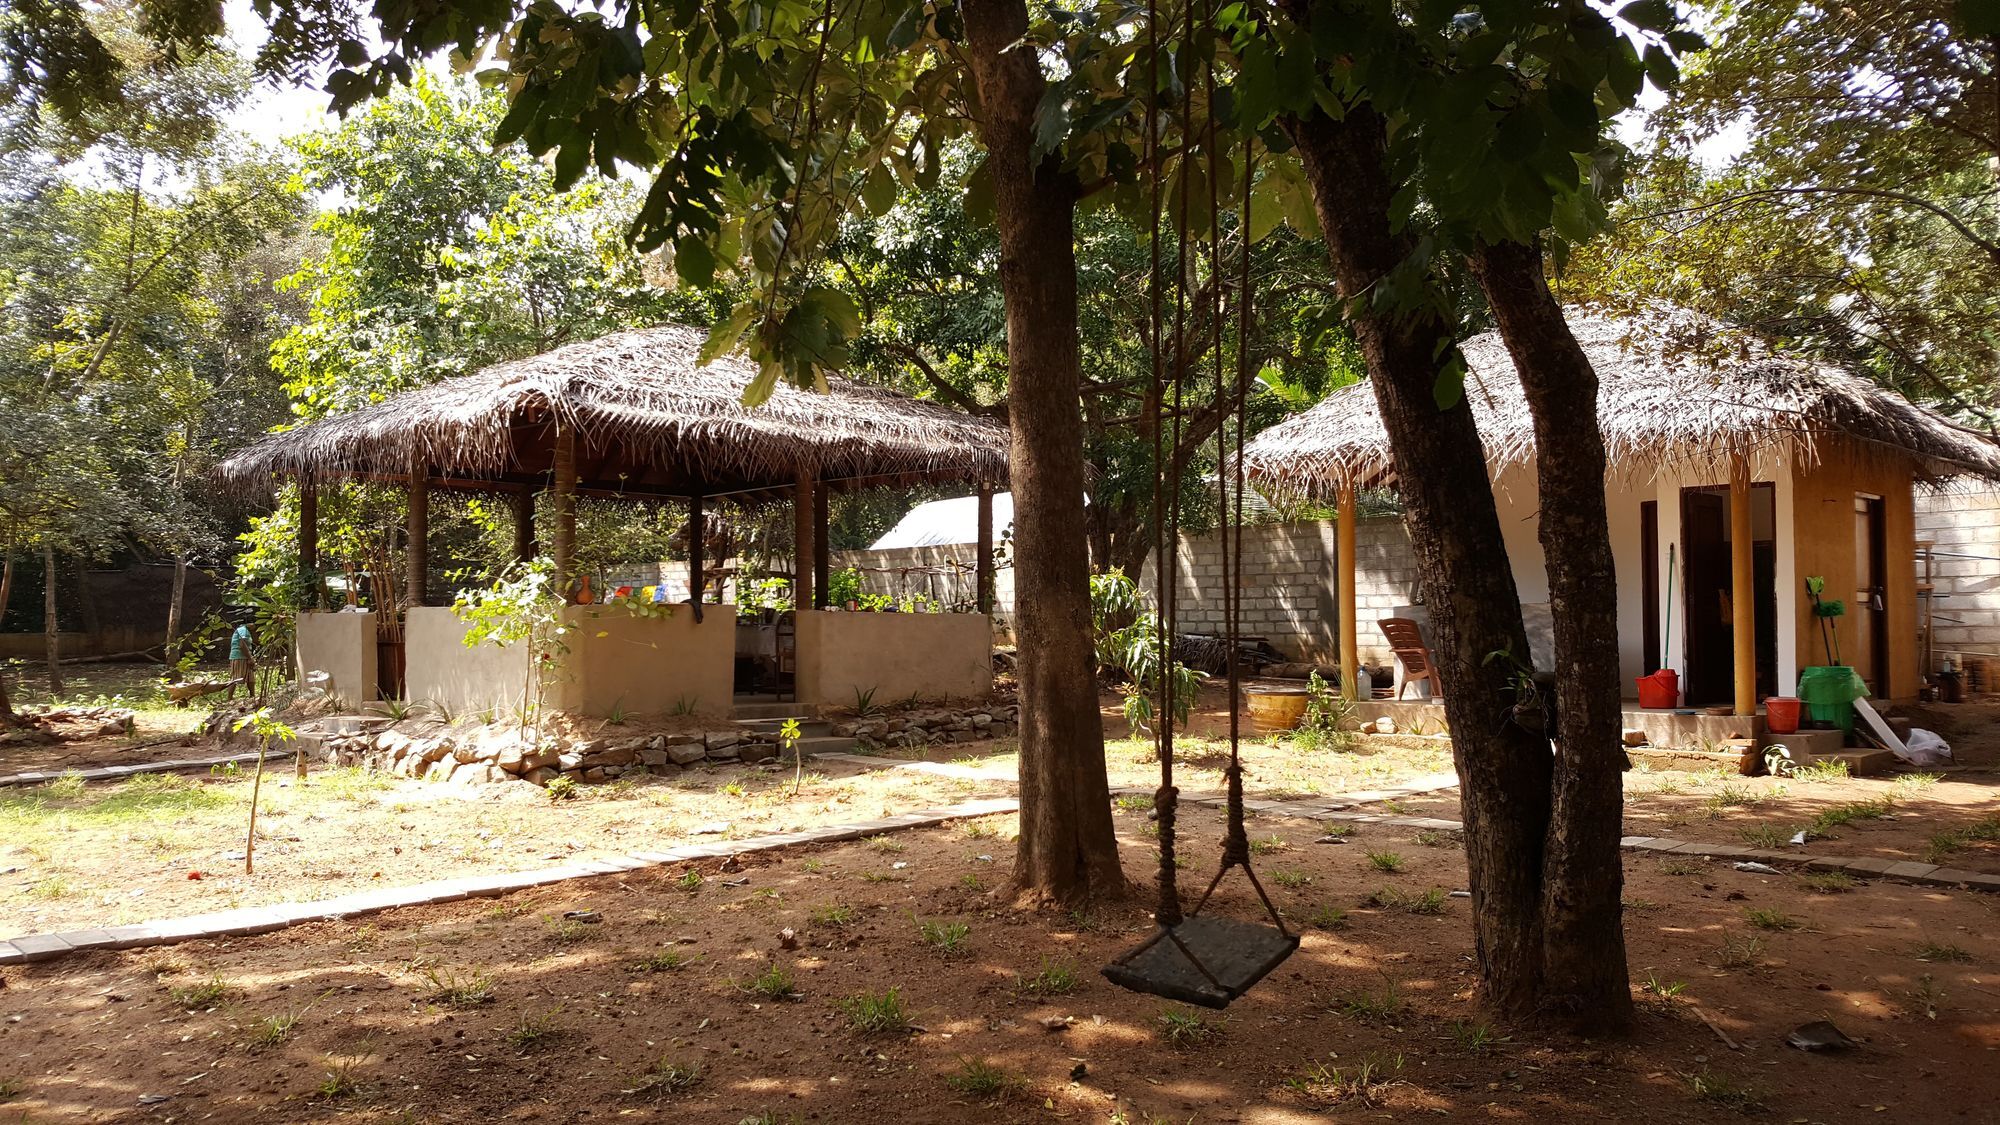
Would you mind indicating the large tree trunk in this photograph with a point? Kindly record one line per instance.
(1504, 767)
(51, 646)
(1068, 853)
(1583, 959)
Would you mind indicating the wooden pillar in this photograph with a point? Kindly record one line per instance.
(820, 552)
(984, 573)
(525, 547)
(565, 490)
(1742, 585)
(417, 580)
(697, 549)
(804, 551)
(1344, 594)
(309, 533)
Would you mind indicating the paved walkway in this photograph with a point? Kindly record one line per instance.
(263, 919)
(118, 773)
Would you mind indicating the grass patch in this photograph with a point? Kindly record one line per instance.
(1734, 797)
(877, 1013)
(273, 1030)
(1770, 919)
(948, 938)
(1290, 878)
(1475, 1038)
(1740, 952)
(1428, 902)
(666, 1077)
(567, 931)
(1369, 1006)
(977, 1078)
(9, 1088)
(1385, 861)
(690, 881)
(196, 997)
(339, 1080)
(1828, 882)
(833, 915)
(1327, 918)
(69, 787)
(1770, 837)
(1841, 815)
(458, 989)
(1332, 1085)
(1725, 1092)
(774, 983)
(1054, 979)
(1185, 1029)
(1941, 951)
(886, 845)
(1681, 867)
(535, 1032)
(1911, 784)
(1944, 844)
(1436, 838)
(1664, 989)
(665, 961)
(1270, 845)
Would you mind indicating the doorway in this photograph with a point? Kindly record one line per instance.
(1711, 633)
(1870, 608)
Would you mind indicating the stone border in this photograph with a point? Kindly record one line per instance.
(278, 916)
(115, 773)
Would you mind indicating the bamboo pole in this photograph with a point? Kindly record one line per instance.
(985, 569)
(1345, 594)
(417, 578)
(1742, 586)
(525, 547)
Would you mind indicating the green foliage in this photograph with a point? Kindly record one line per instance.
(774, 983)
(948, 938)
(1185, 1029)
(1325, 723)
(1129, 643)
(977, 1078)
(877, 1012)
(522, 606)
(1053, 979)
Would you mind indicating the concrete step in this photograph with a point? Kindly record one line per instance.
(808, 728)
(1864, 763)
(745, 711)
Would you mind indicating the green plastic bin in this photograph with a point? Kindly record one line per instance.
(1829, 693)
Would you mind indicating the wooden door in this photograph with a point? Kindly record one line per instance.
(1868, 608)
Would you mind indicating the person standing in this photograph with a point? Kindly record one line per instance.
(242, 665)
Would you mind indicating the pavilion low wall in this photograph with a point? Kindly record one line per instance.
(343, 646)
(649, 665)
(616, 662)
(932, 656)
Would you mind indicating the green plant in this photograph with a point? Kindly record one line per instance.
(1840, 815)
(948, 938)
(864, 702)
(1475, 1038)
(1131, 643)
(536, 1031)
(1664, 989)
(1185, 1028)
(977, 1078)
(1328, 918)
(689, 881)
(665, 961)
(396, 709)
(1740, 952)
(1942, 845)
(567, 931)
(1290, 878)
(1832, 769)
(1134, 802)
(1369, 1006)
(339, 1080)
(68, 787)
(9, 1088)
(788, 739)
(666, 1077)
(273, 1030)
(458, 989)
(1681, 867)
(561, 787)
(1054, 979)
(877, 1012)
(1327, 719)
(1766, 836)
(195, 997)
(833, 914)
(1828, 882)
(887, 845)
(1826, 612)
(774, 983)
(1331, 1085)
(1770, 919)
(522, 606)
(1385, 861)
(1729, 1093)
(1431, 901)
(684, 705)
(1925, 997)
(971, 881)
(734, 789)
(1270, 845)
(268, 730)
(1941, 951)
(1434, 838)
(1911, 784)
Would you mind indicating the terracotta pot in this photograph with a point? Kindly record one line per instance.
(1276, 709)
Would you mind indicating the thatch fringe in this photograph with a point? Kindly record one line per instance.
(1661, 405)
(642, 395)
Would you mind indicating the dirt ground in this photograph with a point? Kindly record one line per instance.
(501, 1010)
(159, 732)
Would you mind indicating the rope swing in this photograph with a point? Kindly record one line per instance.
(1193, 957)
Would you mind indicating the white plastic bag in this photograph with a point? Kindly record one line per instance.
(1926, 749)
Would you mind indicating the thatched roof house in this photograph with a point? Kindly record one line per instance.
(1661, 408)
(1729, 462)
(648, 422)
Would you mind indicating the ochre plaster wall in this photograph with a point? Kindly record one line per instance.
(1824, 538)
(933, 656)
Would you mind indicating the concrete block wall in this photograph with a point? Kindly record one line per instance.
(1288, 585)
(1966, 609)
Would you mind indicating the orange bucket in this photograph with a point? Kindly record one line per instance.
(1661, 690)
(1781, 714)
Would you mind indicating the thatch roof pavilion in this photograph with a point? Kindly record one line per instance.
(1756, 467)
(630, 415)
(1659, 408)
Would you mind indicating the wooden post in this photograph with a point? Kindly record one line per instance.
(525, 547)
(820, 552)
(308, 540)
(418, 577)
(1345, 595)
(984, 572)
(565, 473)
(804, 550)
(697, 564)
(1742, 585)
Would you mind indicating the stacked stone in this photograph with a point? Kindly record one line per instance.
(493, 754)
(931, 726)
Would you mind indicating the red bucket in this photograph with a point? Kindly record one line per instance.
(1661, 690)
(1781, 714)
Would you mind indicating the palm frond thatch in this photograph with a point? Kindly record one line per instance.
(647, 417)
(1710, 395)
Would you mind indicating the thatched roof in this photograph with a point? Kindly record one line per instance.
(1661, 404)
(649, 422)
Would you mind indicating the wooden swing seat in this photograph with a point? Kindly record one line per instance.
(1235, 954)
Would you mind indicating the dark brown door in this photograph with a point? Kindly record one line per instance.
(1869, 609)
(1709, 677)
(1649, 575)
